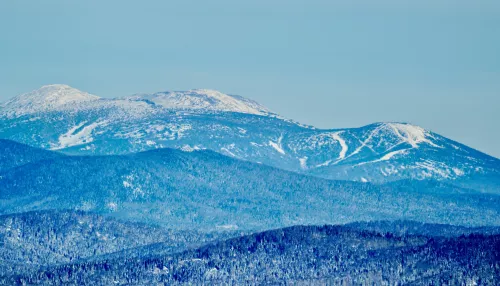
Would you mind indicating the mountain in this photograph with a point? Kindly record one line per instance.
(306, 255)
(208, 191)
(58, 117)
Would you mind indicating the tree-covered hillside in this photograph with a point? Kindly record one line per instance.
(299, 255)
(209, 191)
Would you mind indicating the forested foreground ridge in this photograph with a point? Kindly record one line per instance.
(297, 255)
(36, 239)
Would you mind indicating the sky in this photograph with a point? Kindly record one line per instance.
(331, 64)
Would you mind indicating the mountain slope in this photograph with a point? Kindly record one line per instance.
(240, 128)
(208, 191)
(49, 97)
(15, 154)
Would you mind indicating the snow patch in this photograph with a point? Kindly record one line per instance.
(386, 157)
(112, 206)
(458, 172)
(187, 148)
(277, 145)
(227, 149)
(432, 168)
(78, 135)
(227, 227)
(326, 163)
(336, 136)
(303, 163)
(389, 155)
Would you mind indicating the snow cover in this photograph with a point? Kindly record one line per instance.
(204, 99)
(148, 121)
(303, 163)
(342, 143)
(48, 97)
(411, 134)
(77, 135)
(59, 97)
(188, 148)
(405, 133)
(388, 156)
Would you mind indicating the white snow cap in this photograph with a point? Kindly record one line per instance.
(204, 99)
(411, 134)
(63, 97)
(48, 97)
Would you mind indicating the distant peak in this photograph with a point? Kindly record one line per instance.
(46, 98)
(205, 99)
(412, 134)
(56, 90)
(392, 123)
(58, 97)
(206, 91)
(56, 86)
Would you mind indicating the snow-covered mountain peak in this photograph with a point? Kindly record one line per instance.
(205, 99)
(60, 97)
(46, 98)
(407, 133)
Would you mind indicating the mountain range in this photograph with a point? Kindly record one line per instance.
(58, 117)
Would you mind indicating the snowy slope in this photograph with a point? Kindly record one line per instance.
(62, 118)
(203, 99)
(49, 97)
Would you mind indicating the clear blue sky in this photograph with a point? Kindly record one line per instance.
(435, 63)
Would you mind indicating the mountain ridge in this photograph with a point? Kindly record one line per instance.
(206, 190)
(379, 152)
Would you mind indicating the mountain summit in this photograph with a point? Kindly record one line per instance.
(204, 99)
(60, 97)
(48, 97)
